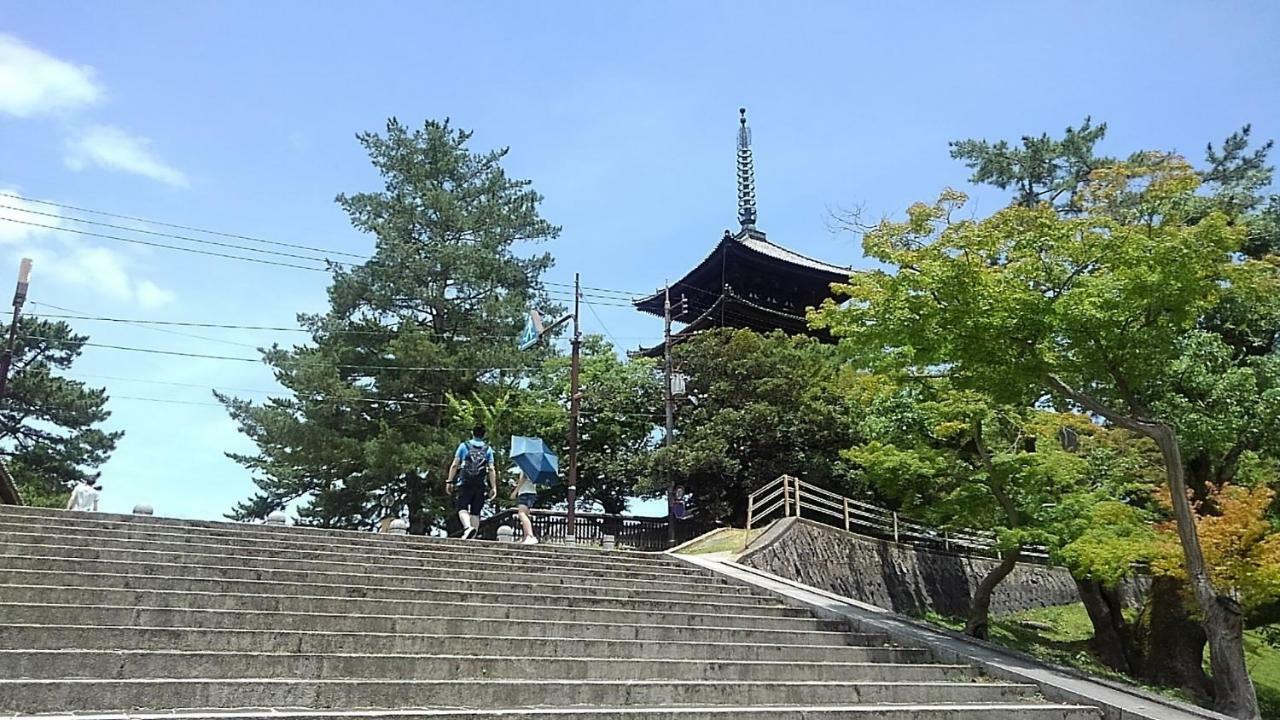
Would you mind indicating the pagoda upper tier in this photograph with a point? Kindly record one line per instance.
(747, 282)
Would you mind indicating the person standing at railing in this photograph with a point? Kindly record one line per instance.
(525, 494)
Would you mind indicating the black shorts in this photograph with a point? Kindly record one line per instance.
(471, 498)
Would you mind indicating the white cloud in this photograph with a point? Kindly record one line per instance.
(98, 268)
(152, 296)
(33, 83)
(66, 260)
(20, 232)
(115, 149)
(102, 270)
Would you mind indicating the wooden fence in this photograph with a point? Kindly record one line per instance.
(796, 498)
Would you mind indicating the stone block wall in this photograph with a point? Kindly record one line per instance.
(897, 577)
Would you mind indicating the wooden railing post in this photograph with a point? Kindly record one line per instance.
(895, 527)
(846, 514)
(797, 484)
(786, 496)
(751, 510)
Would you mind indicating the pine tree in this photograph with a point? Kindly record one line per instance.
(49, 425)
(432, 315)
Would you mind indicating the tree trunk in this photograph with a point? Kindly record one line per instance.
(1233, 691)
(1113, 640)
(978, 624)
(1174, 641)
(415, 497)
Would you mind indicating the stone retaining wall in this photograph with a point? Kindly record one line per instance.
(897, 577)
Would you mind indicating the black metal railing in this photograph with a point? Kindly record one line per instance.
(630, 532)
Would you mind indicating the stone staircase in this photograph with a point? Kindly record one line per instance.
(109, 614)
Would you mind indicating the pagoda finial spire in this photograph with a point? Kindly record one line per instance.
(746, 175)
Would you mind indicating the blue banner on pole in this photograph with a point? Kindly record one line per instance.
(532, 330)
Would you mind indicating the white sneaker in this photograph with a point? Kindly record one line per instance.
(469, 533)
(531, 540)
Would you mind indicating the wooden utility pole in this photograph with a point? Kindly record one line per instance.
(19, 299)
(574, 410)
(671, 413)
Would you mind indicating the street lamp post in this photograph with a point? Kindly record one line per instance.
(19, 299)
(575, 410)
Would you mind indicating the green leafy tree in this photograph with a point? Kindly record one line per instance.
(431, 316)
(1095, 307)
(758, 406)
(1223, 400)
(957, 459)
(620, 403)
(50, 426)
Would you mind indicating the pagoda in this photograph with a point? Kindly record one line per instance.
(746, 281)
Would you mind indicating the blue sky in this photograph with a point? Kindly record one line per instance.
(240, 117)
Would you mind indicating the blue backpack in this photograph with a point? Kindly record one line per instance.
(475, 466)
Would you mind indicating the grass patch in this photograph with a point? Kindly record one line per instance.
(1061, 635)
(1264, 668)
(727, 540)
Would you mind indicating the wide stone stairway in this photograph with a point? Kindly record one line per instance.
(109, 614)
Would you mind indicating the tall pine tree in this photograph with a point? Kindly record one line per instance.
(432, 315)
(49, 425)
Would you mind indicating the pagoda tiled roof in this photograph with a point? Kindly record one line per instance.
(763, 246)
(704, 280)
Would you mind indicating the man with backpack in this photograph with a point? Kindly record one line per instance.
(472, 465)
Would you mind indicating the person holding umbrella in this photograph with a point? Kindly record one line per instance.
(537, 466)
(525, 494)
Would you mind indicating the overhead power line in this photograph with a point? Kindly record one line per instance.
(555, 295)
(189, 228)
(312, 399)
(596, 315)
(269, 328)
(324, 252)
(166, 246)
(281, 391)
(233, 358)
(186, 238)
(144, 325)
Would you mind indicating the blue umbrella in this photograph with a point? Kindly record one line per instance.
(533, 458)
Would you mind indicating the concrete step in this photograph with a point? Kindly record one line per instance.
(514, 607)
(360, 564)
(159, 576)
(292, 532)
(847, 647)
(28, 543)
(774, 630)
(970, 711)
(80, 583)
(37, 696)
(243, 535)
(71, 663)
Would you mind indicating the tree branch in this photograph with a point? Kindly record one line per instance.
(1088, 402)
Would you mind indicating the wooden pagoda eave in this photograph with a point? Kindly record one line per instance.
(731, 310)
(707, 278)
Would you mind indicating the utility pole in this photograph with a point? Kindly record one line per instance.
(574, 410)
(671, 412)
(19, 299)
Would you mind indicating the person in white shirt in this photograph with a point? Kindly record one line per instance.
(85, 497)
(526, 496)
